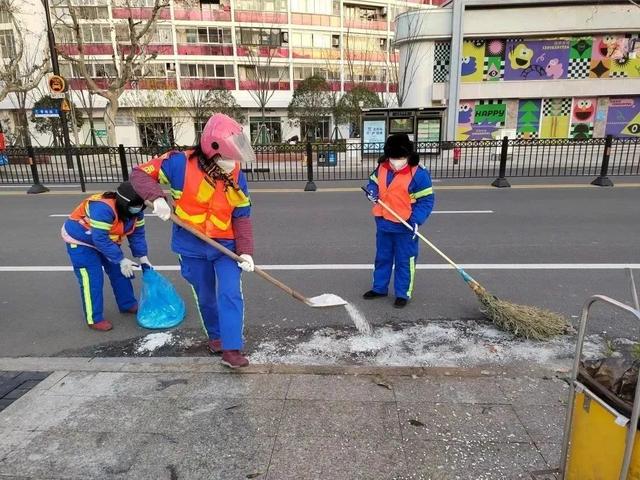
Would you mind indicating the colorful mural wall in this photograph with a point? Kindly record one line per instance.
(491, 60)
(575, 118)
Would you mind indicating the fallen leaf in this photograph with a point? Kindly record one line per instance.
(254, 475)
(416, 423)
(378, 380)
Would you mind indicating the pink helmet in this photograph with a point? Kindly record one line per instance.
(223, 136)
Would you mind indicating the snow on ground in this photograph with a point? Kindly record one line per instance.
(149, 343)
(436, 344)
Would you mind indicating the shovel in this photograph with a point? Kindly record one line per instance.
(324, 300)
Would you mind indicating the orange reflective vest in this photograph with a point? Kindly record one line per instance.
(395, 195)
(209, 208)
(117, 232)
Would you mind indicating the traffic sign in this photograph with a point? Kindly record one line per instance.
(64, 106)
(46, 112)
(57, 84)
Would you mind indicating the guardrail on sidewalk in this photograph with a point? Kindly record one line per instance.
(491, 159)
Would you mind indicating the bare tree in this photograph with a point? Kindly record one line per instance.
(310, 103)
(201, 104)
(25, 62)
(260, 72)
(128, 61)
(159, 112)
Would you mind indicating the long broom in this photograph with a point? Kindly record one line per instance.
(522, 320)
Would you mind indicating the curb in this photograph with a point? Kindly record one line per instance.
(211, 365)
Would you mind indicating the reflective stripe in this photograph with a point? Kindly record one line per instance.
(195, 295)
(200, 218)
(100, 225)
(422, 193)
(176, 194)
(245, 204)
(219, 223)
(412, 274)
(86, 294)
(73, 245)
(115, 238)
(140, 223)
(373, 178)
(163, 178)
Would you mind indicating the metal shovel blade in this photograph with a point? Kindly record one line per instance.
(326, 300)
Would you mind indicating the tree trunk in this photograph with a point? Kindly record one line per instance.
(110, 121)
(22, 122)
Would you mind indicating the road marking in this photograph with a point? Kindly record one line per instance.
(367, 266)
(435, 211)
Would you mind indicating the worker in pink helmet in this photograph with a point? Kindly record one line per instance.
(211, 195)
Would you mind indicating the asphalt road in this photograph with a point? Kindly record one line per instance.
(40, 310)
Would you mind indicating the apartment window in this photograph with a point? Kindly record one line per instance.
(362, 13)
(64, 35)
(275, 74)
(193, 70)
(154, 70)
(310, 39)
(7, 44)
(135, 3)
(95, 33)
(262, 5)
(322, 7)
(65, 70)
(92, 13)
(300, 72)
(262, 36)
(160, 34)
(321, 131)
(156, 132)
(265, 130)
(5, 17)
(205, 35)
(199, 124)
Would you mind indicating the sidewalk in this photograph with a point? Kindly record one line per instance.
(170, 418)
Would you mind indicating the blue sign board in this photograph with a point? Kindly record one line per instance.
(46, 112)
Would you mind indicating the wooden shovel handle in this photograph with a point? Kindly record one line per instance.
(258, 271)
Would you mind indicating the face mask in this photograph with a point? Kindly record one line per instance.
(398, 163)
(227, 165)
(134, 210)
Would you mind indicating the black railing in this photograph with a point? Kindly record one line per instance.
(310, 163)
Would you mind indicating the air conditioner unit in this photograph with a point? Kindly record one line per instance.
(383, 42)
(335, 41)
(170, 66)
(384, 11)
(285, 37)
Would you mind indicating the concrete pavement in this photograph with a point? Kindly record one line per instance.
(187, 419)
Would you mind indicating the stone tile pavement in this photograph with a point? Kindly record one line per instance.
(278, 426)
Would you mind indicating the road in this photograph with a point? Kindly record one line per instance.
(534, 246)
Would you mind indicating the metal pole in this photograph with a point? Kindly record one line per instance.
(501, 181)
(457, 38)
(634, 291)
(603, 180)
(77, 140)
(310, 186)
(56, 70)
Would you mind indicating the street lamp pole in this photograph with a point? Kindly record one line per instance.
(56, 70)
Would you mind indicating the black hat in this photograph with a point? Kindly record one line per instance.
(127, 197)
(398, 146)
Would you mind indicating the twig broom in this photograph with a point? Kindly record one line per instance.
(522, 320)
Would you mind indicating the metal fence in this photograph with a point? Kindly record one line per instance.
(345, 161)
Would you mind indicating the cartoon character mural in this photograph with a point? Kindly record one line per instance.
(472, 61)
(623, 117)
(481, 119)
(583, 117)
(537, 59)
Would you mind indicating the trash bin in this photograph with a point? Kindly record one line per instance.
(327, 158)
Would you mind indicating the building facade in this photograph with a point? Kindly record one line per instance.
(526, 70)
(226, 45)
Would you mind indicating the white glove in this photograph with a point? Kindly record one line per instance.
(145, 260)
(162, 209)
(247, 265)
(126, 267)
(415, 231)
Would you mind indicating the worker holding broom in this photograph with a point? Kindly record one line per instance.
(404, 185)
(94, 233)
(211, 196)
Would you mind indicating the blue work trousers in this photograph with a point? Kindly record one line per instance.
(88, 264)
(398, 249)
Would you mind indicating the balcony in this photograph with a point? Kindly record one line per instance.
(365, 56)
(195, 49)
(81, 83)
(261, 17)
(334, 85)
(351, 23)
(273, 85)
(153, 84)
(317, 53)
(158, 49)
(88, 48)
(378, 87)
(316, 20)
(197, 14)
(139, 13)
(207, 84)
(277, 52)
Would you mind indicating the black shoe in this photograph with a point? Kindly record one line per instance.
(400, 302)
(371, 294)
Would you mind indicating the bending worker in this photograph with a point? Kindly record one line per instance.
(211, 195)
(405, 186)
(94, 233)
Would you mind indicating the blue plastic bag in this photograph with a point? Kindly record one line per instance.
(160, 305)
